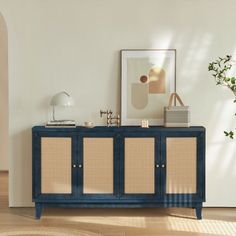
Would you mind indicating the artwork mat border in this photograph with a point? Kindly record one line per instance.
(137, 122)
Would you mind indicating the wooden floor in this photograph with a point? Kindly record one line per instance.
(113, 222)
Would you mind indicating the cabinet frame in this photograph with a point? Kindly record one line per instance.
(36, 170)
(118, 199)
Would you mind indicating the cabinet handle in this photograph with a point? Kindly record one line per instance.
(74, 166)
(80, 166)
(157, 166)
(163, 166)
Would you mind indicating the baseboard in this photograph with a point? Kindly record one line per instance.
(21, 205)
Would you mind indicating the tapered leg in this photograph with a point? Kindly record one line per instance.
(198, 210)
(38, 210)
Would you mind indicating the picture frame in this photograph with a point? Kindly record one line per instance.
(148, 77)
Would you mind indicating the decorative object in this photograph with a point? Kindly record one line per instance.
(219, 69)
(148, 78)
(176, 116)
(61, 123)
(144, 124)
(119, 167)
(88, 124)
(61, 99)
(111, 120)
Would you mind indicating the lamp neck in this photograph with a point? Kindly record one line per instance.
(53, 113)
(66, 93)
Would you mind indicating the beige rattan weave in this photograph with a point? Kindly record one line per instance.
(56, 165)
(181, 162)
(139, 165)
(98, 165)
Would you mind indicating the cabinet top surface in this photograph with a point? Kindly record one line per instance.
(117, 129)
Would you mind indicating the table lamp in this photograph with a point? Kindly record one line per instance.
(61, 99)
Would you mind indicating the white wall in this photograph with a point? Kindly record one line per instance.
(74, 45)
(4, 132)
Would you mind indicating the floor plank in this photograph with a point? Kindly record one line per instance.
(113, 222)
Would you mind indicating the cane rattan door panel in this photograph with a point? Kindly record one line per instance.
(181, 164)
(98, 159)
(56, 156)
(139, 163)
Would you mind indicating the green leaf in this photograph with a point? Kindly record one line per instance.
(229, 134)
(210, 67)
(233, 87)
(233, 79)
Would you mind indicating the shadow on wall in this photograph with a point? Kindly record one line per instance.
(211, 107)
(4, 134)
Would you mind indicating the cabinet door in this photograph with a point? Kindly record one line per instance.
(53, 173)
(140, 177)
(99, 160)
(181, 165)
(183, 170)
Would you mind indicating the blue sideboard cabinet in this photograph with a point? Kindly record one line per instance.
(110, 167)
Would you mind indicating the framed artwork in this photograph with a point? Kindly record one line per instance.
(148, 77)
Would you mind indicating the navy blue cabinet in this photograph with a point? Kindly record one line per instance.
(118, 167)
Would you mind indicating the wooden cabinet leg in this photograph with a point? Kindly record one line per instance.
(38, 210)
(198, 210)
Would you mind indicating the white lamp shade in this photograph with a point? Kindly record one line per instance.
(62, 99)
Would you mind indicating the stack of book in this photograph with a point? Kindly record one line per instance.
(61, 123)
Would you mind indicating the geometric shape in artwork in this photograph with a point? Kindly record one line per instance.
(157, 80)
(139, 95)
(143, 79)
(139, 166)
(181, 165)
(56, 165)
(98, 166)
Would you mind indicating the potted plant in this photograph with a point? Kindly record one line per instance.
(219, 69)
